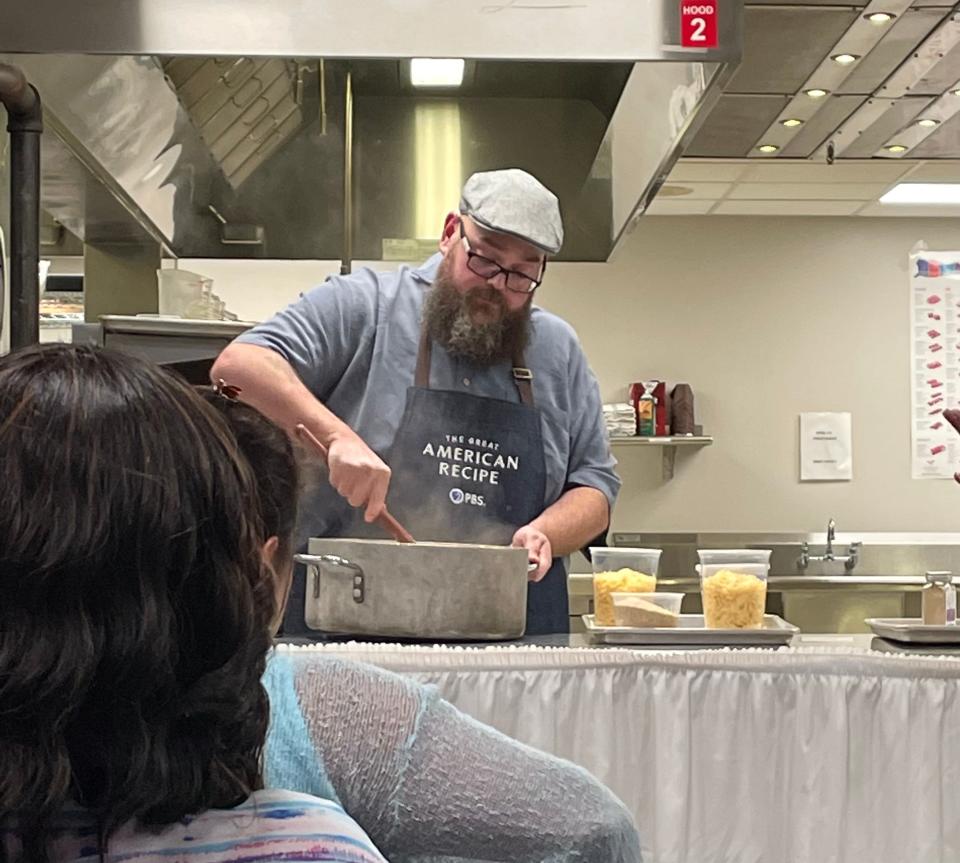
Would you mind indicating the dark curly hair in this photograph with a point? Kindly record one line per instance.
(271, 454)
(134, 607)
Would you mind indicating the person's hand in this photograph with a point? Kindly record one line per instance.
(358, 473)
(538, 550)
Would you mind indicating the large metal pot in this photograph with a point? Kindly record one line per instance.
(426, 590)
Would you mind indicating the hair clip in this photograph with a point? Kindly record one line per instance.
(228, 391)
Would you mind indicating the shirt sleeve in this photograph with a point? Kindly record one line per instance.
(591, 461)
(325, 330)
(428, 783)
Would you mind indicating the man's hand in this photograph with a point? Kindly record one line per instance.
(357, 473)
(538, 549)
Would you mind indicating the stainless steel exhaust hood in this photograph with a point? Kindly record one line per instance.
(186, 116)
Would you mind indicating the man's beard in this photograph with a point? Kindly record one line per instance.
(448, 320)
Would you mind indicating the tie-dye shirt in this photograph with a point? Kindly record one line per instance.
(270, 827)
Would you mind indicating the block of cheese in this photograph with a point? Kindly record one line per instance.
(636, 611)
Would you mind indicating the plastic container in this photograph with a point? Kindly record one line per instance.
(734, 555)
(646, 609)
(667, 601)
(733, 585)
(624, 570)
(177, 290)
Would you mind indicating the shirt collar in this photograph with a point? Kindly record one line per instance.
(427, 271)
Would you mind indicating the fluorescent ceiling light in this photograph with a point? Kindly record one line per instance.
(923, 193)
(435, 72)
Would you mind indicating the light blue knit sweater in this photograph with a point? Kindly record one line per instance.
(427, 782)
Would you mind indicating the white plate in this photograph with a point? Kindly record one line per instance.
(691, 632)
(913, 630)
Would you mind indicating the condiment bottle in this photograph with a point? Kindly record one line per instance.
(939, 600)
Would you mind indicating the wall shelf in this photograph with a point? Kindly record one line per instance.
(668, 445)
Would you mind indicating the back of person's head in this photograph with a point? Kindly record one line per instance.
(268, 450)
(134, 607)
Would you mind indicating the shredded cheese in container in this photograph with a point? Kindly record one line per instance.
(620, 581)
(733, 600)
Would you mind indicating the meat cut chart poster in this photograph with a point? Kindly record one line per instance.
(934, 362)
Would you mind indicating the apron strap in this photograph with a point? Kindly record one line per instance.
(522, 376)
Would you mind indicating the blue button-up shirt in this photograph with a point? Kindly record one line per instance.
(353, 342)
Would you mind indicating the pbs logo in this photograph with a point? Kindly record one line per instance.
(456, 496)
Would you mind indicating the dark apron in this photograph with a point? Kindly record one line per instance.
(467, 468)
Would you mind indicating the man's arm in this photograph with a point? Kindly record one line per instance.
(566, 526)
(269, 383)
(582, 512)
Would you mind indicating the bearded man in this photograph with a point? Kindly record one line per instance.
(482, 404)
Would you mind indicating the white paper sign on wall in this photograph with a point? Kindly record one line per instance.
(826, 447)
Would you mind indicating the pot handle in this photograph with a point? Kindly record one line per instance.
(314, 562)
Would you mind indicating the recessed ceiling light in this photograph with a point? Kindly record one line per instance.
(923, 193)
(895, 148)
(928, 122)
(768, 148)
(955, 92)
(791, 122)
(816, 93)
(845, 59)
(880, 17)
(436, 72)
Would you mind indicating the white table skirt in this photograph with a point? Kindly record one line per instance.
(743, 756)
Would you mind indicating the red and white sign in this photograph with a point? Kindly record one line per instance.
(698, 23)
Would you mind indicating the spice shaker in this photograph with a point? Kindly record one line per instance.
(939, 600)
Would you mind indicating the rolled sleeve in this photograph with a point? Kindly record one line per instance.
(591, 461)
(321, 333)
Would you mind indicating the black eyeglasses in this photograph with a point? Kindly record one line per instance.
(519, 283)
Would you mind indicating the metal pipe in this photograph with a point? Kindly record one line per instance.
(347, 256)
(322, 81)
(25, 125)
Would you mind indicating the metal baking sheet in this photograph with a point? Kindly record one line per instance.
(691, 632)
(912, 630)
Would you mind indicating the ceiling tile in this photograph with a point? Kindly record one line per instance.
(786, 208)
(821, 126)
(944, 74)
(904, 34)
(775, 60)
(890, 122)
(694, 191)
(735, 125)
(687, 170)
(876, 171)
(935, 172)
(678, 207)
(944, 143)
(808, 191)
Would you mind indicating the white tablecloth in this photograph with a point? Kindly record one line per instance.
(793, 756)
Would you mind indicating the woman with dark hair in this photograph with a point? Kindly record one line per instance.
(424, 780)
(135, 619)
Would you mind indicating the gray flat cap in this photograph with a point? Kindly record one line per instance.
(513, 202)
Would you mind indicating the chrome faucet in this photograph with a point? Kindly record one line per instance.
(849, 560)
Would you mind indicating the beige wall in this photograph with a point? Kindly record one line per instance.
(764, 318)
